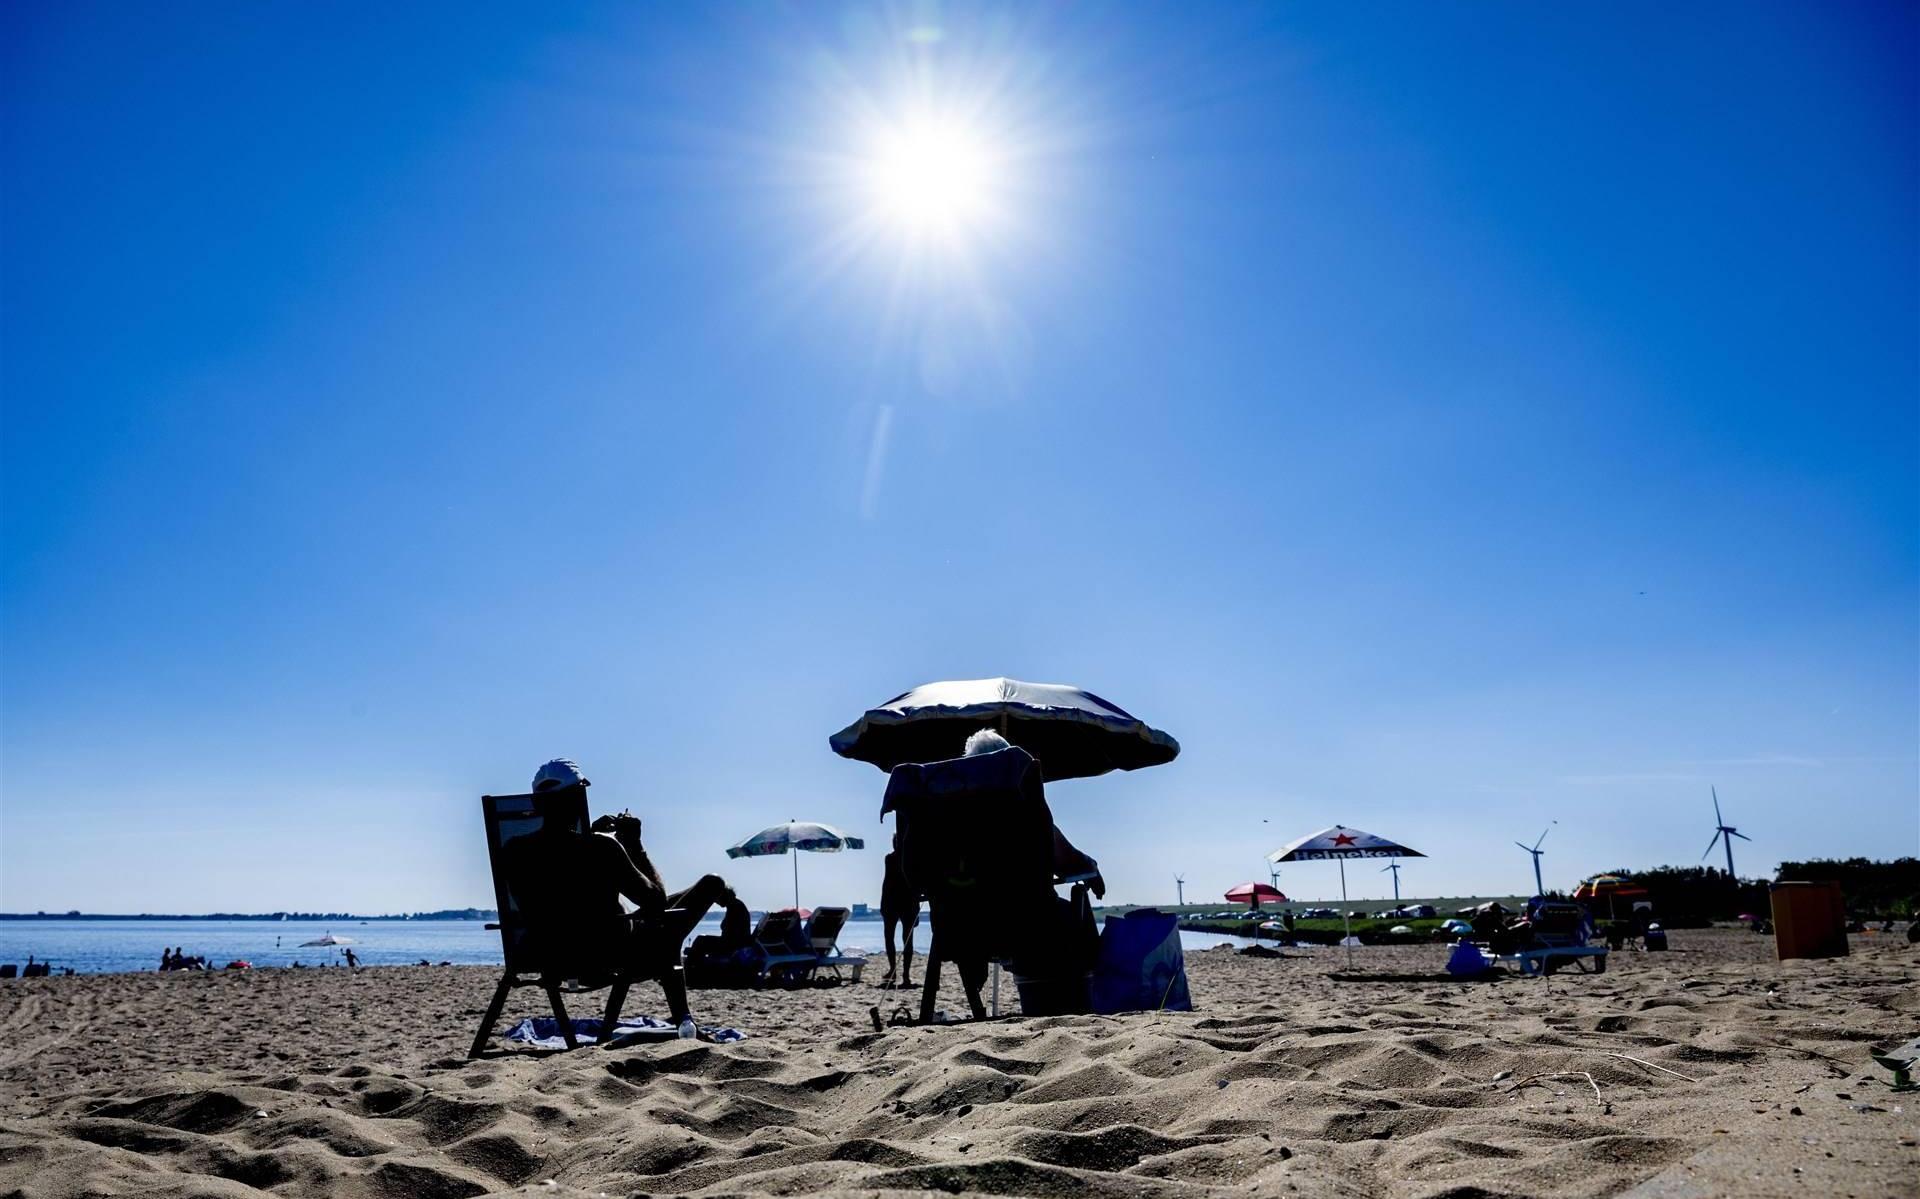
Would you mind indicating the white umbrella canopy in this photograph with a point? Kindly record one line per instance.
(792, 837)
(1337, 844)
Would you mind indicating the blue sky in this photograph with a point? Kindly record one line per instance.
(1443, 419)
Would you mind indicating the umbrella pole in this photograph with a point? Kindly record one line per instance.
(796, 878)
(1346, 917)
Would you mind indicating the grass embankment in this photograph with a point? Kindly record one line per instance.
(1371, 930)
(1325, 932)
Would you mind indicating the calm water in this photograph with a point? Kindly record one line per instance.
(100, 946)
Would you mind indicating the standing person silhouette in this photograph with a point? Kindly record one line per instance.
(899, 904)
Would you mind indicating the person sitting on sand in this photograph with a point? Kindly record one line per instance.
(166, 959)
(900, 905)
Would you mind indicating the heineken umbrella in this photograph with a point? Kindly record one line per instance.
(1337, 844)
(1072, 732)
(792, 837)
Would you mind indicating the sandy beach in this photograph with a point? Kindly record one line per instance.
(1752, 1079)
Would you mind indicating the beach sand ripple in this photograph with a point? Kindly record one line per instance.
(1717, 1070)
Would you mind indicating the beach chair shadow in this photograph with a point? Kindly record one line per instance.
(527, 938)
(823, 936)
(976, 841)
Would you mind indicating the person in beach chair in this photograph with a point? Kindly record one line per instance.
(559, 885)
(979, 842)
(730, 959)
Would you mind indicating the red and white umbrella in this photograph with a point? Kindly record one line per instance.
(1252, 893)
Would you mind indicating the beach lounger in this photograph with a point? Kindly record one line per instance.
(977, 844)
(523, 934)
(823, 934)
(1560, 935)
(779, 957)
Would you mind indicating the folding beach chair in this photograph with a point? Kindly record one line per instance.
(775, 937)
(534, 942)
(823, 934)
(977, 842)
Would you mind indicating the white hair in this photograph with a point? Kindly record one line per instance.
(986, 741)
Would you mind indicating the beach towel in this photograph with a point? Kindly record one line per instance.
(543, 1032)
(1141, 967)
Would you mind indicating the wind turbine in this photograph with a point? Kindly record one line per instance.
(1273, 875)
(1539, 888)
(1395, 867)
(1722, 831)
(1180, 884)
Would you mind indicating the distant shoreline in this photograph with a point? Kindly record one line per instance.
(264, 917)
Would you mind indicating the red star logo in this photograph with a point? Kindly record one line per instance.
(1343, 839)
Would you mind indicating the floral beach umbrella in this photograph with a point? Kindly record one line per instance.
(793, 837)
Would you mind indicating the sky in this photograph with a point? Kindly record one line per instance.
(1449, 421)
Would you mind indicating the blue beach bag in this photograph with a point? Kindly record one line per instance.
(1141, 967)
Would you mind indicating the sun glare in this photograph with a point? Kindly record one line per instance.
(931, 176)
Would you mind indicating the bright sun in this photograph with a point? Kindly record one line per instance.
(932, 176)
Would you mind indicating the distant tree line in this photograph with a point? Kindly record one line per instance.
(1872, 888)
(1692, 896)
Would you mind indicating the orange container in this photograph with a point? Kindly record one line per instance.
(1809, 920)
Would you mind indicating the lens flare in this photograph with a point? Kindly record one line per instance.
(932, 176)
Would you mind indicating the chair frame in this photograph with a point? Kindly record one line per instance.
(518, 973)
(828, 956)
(777, 958)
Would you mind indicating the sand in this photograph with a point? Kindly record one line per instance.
(1288, 1081)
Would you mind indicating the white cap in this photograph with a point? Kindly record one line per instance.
(561, 772)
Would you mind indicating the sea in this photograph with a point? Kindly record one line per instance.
(122, 946)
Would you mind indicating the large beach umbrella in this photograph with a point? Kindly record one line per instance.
(1337, 844)
(1252, 893)
(1073, 733)
(792, 837)
(1613, 886)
